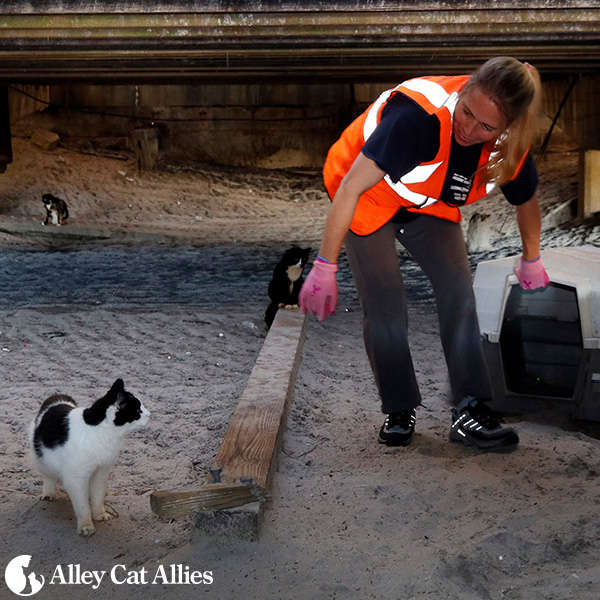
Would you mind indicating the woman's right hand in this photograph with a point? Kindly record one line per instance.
(319, 293)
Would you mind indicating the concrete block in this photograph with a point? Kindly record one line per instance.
(46, 140)
(559, 215)
(479, 232)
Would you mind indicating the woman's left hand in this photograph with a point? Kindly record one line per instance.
(532, 275)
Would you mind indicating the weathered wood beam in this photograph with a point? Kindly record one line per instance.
(5, 135)
(250, 448)
(241, 41)
(326, 65)
(209, 497)
(547, 22)
(248, 455)
(589, 187)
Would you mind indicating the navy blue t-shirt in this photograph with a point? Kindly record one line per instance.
(407, 136)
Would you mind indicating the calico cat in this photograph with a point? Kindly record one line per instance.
(286, 282)
(79, 446)
(56, 210)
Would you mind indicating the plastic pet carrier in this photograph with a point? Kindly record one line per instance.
(542, 347)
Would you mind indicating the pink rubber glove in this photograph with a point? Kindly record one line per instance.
(319, 293)
(532, 275)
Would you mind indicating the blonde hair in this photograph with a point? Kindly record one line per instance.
(515, 88)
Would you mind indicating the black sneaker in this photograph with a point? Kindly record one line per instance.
(477, 425)
(398, 428)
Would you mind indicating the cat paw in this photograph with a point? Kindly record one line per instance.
(103, 516)
(48, 497)
(86, 530)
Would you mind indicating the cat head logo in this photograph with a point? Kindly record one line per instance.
(20, 579)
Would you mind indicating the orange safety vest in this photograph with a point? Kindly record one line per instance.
(420, 189)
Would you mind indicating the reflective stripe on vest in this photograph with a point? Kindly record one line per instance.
(438, 97)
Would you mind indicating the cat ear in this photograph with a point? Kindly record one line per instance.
(117, 387)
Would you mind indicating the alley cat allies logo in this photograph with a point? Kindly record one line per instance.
(20, 579)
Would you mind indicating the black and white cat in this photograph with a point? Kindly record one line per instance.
(78, 447)
(287, 281)
(56, 210)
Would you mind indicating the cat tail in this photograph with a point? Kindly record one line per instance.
(270, 313)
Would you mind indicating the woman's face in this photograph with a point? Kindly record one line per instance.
(477, 119)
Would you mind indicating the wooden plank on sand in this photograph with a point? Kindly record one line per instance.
(248, 455)
(215, 496)
(251, 445)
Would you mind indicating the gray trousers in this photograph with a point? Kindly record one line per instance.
(439, 249)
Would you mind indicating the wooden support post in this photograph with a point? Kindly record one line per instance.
(5, 135)
(145, 146)
(589, 189)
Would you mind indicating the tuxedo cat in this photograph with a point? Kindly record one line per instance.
(56, 210)
(286, 282)
(79, 446)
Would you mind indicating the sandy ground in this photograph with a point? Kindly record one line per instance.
(161, 278)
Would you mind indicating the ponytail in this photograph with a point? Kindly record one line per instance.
(515, 88)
